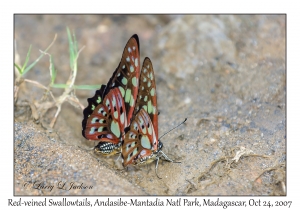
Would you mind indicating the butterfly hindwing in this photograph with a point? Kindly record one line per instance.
(108, 119)
(92, 104)
(140, 140)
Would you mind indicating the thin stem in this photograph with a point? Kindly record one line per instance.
(41, 86)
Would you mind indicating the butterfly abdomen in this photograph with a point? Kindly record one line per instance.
(107, 148)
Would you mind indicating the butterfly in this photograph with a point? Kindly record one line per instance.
(123, 114)
(141, 145)
(110, 110)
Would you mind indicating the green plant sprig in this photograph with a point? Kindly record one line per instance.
(70, 87)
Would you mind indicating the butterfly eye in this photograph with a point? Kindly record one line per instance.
(160, 145)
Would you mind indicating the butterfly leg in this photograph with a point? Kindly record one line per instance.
(119, 157)
(167, 158)
(156, 165)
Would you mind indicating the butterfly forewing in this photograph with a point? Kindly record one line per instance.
(140, 139)
(117, 99)
(146, 98)
(126, 76)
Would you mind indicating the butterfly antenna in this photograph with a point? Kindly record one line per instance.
(173, 129)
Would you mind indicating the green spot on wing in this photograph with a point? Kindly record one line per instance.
(150, 130)
(122, 91)
(99, 100)
(145, 108)
(131, 69)
(92, 131)
(134, 82)
(116, 115)
(131, 100)
(152, 91)
(145, 142)
(114, 127)
(128, 95)
(94, 119)
(134, 151)
(122, 118)
(124, 81)
(150, 107)
(114, 102)
(151, 76)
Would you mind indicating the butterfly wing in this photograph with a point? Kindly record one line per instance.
(108, 119)
(141, 138)
(126, 76)
(120, 94)
(147, 98)
(139, 141)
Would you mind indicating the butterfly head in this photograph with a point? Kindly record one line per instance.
(159, 146)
